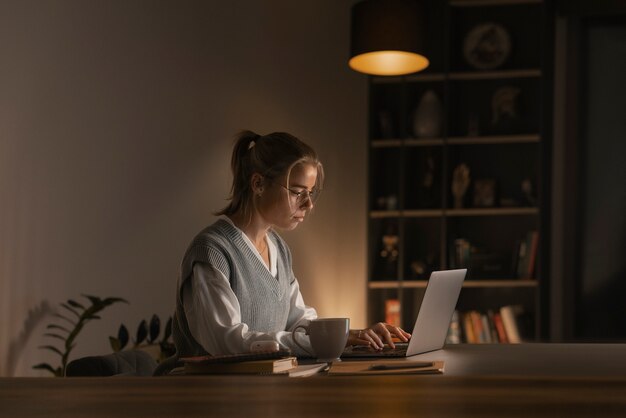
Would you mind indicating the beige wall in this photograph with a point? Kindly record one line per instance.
(116, 120)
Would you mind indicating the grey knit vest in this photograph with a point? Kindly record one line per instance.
(264, 299)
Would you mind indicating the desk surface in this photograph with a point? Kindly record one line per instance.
(562, 360)
(459, 393)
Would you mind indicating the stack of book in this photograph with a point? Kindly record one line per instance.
(280, 362)
(509, 324)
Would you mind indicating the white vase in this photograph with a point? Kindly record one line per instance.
(427, 116)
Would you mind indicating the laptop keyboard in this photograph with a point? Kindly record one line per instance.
(365, 351)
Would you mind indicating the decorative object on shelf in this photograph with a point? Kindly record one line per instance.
(421, 268)
(387, 37)
(528, 192)
(427, 181)
(427, 116)
(460, 183)
(78, 316)
(487, 264)
(505, 115)
(462, 253)
(385, 122)
(392, 312)
(387, 202)
(487, 46)
(484, 193)
(389, 254)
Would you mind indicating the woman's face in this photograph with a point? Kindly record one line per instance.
(280, 204)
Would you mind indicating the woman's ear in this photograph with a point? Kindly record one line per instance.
(256, 183)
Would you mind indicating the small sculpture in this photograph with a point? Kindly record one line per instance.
(460, 183)
(504, 108)
(427, 117)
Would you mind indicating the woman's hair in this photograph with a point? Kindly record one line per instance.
(272, 156)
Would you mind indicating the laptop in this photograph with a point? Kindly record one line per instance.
(432, 322)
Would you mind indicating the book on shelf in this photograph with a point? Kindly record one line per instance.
(526, 258)
(265, 366)
(392, 312)
(454, 331)
(497, 321)
(517, 323)
(508, 324)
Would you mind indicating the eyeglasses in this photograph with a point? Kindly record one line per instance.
(303, 195)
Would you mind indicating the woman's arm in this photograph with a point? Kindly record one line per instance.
(299, 312)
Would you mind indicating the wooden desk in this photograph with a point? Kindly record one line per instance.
(562, 360)
(457, 394)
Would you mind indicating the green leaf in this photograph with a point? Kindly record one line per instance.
(123, 336)
(93, 299)
(49, 334)
(155, 328)
(110, 301)
(72, 310)
(45, 366)
(51, 348)
(115, 344)
(75, 304)
(142, 332)
(55, 326)
(57, 315)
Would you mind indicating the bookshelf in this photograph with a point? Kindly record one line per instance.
(457, 157)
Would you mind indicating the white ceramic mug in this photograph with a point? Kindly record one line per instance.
(328, 337)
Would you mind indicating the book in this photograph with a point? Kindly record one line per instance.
(454, 330)
(497, 320)
(306, 370)
(392, 312)
(266, 366)
(385, 367)
(509, 314)
(468, 328)
(235, 358)
(527, 255)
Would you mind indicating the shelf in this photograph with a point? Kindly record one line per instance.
(433, 213)
(495, 75)
(479, 3)
(493, 121)
(493, 211)
(461, 76)
(456, 140)
(409, 78)
(503, 139)
(394, 284)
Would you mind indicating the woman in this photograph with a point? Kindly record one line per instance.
(237, 286)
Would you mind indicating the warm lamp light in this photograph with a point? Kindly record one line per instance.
(387, 37)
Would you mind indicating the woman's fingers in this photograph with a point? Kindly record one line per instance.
(377, 335)
(372, 339)
(400, 333)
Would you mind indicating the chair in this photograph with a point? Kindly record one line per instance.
(122, 363)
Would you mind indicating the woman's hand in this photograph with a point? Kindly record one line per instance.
(377, 336)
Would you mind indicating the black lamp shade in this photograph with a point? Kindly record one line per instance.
(387, 37)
